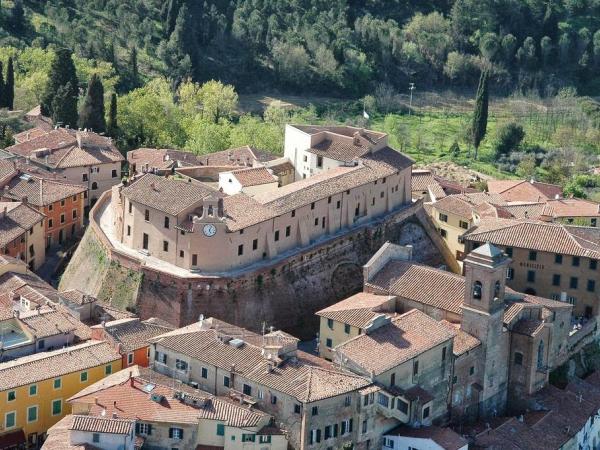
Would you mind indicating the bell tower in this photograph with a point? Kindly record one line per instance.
(483, 314)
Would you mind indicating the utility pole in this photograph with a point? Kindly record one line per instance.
(411, 88)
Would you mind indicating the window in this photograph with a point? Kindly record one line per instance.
(388, 443)
(556, 280)
(593, 264)
(175, 433)
(96, 437)
(426, 413)
(316, 221)
(401, 406)
(246, 437)
(319, 161)
(181, 253)
(477, 287)
(591, 285)
(167, 222)
(165, 246)
(330, 324)
(510, 273)
(247, 389)
(114, 173)
(293, 213)
(558, 258)
(531, 276)
(11, 396)
(305, 158)
(315, 411)
(160, 357)
(288, 231)
(443, 233)
(143, 428)
(254, 244)
(276, 235)
(128, 230)
(240, 249)
(10, 419)
(443, 217)
(383, 400)
(33, 390)
(532, 256)
(273, 399)
(194, 260)
(220, 429)
(575, 261)
(346, 328)
(94, 186)
(129, 359)
(147, 215)
(62, 218)
(509, 252)
(338, 205)
(57, 383)
(327, 432)
(347, 400)
(204, 372)
(415, 368)
(454, 379)
(74, 214)
(50, 223)
(108, 369)
(518, 358)
(540, 355)
(346, 426)
(472, 370)
(463, 224)
(573, 282)
(297, 408)
(56, 407)
(226, 381)
(181, 365)
(83, 376)
(145, 240)
(328, 343)
(443, 353)
(130, 207)
(84, 177)
(32, 414)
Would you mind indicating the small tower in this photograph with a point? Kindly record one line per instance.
(483, 313)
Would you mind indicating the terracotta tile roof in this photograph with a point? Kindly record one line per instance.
(76, 297)
(59, 437)
(463, 205)
(240, 156)
(357, 310)
(43, 366)
(406, 337)
(48, 321)
(446, 438)
(281, 166)
(540, 236)
(528, 327)
(30, 134)
(133, 333)
(133, 401)
(451, 187)
(300, 379)
(165, 194)
(254, 176)
(423, 284)
(18, 219)
(40, 191)
(160, 158)
(7, 169)
(526, 210)
(463, 341)
(524, 190)
(101, 425)
(27, 285)
(572, 207)
(423, 180)
(61, 149)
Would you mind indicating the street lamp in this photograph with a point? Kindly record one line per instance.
(411, 88)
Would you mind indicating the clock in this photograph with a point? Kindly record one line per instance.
(209, 230)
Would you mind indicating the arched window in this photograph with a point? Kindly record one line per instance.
(94, 186)
(477, 287)
(497, 290)
(210, 211)
(540, 355)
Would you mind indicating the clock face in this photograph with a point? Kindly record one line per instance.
(209, 230)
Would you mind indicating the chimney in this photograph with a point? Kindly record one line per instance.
(24, 199)
(4, 212)
(78, 136)
(95, 400)
(131, 379)
(356, 138)
(115, 404)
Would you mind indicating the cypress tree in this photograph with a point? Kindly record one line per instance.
(112, 125)
(64, 106)
(2, 88)
(133, 68)
(480, 116)
(92, 110)
(62, 74)
(9, 86)
(172, 13)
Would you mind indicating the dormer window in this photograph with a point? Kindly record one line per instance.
(477, 287)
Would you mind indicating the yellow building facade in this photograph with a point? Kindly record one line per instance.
(34, 389)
